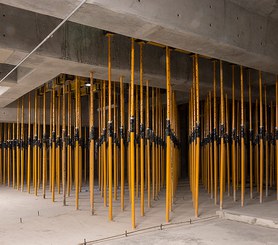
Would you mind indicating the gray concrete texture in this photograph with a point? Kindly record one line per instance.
(79, 47)
(58, 224)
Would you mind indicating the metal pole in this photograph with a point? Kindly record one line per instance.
(228, 145)
(64, 149)
(142, 130)
(1, 155)
(35, 147)
(5, 154)
(136, 143)
(13, 153)
(257, 146)
(29, 145)
(222, 130)
(69, 147)
(251, 138)
(266, 145)
(153, 146)
(132, 137)
(53, 139)
(22, 144)
(210, 146)
(17, 147)
(92, 142)
(44, 142)
(215, 146)
(242, 131)
(58, 137)
(122, 144)
(8, 154)
(261, 129)
(233, 134)
(104, 146)
(276, 135)
(148, 143)
(168, 140)
(39, 144)
(76, 136)
(115, 155)
(198, 136)
(110, 129)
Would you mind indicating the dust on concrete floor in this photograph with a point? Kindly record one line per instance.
(58, 224)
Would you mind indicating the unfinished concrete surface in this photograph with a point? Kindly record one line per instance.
(44, 222)
(199, 132)
(223, 31)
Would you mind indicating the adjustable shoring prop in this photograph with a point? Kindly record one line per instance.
(110, 131)
(17, 147)
(128, 146)
(115, 148)
(100, 167)
(250, 137)
(8, 154)
(5, 154)
(266, 145)
(53, 141)
(222, 130)
(233, 135)
(215, 144)
(148, 159)
(210, 146)
(58, 138)
(35, 146)
(44, 145)
(64, 147)
(13, 154)
(257, 147)
(142, 130)
(80, 138)
(194, 131)
(132, 136)
(276, 135)
(39, 143)
(50, 140)
(122, 146)
(272, 159)
(76, 142)
(162, 122)
(29, 145)
(116, 140)
(1, 154)
(238, 150)
(228, 145)
(69, 146)
(156, 145)
(92, 142)
(242, 131)
(153, 146)
(104, 153)
(168, 140)
(22, 161)
(192, 140)
(136, 142)
(261, 130)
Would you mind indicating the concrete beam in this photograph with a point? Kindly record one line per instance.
(219, 29)
(77, 49)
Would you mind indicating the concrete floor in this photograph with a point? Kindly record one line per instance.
(56, 224)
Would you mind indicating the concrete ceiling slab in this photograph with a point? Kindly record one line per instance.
(225, 31)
